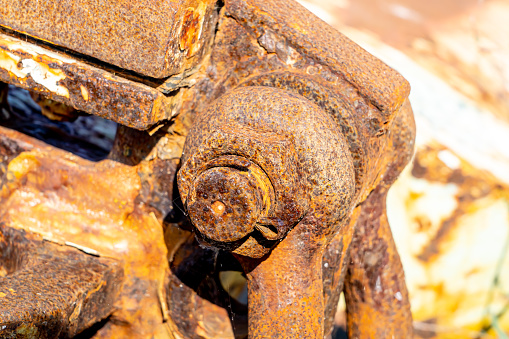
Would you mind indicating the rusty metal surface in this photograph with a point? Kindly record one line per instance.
(244, 55)
(81, 86)
(97, 208)
(293, 27)
(156, 38)
(294, 266)
(375, 291)
(47, 291)
(261, 139)
(292, 136)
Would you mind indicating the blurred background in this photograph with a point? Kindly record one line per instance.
(449, 211)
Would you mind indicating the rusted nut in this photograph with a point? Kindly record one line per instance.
(266, 162)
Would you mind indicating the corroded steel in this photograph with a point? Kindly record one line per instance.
(156, 38)
(288, 136)
(294, 267)
(267, 118)
(48, 291)
(82, 86)
(93, 207)
(281, 26)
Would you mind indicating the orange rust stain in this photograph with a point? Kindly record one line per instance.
(218, 208)
(81, 214)
(192, 25)
(9, 62)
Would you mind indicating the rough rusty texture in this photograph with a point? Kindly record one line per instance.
(292, 136)
(360, 124)
(50, 291)
(268, 116)
(315, 39)
(375, 291)
(294, 267)
(156, 38)
(99, 209)
(82, 86)
(334, 268)
(250, 55)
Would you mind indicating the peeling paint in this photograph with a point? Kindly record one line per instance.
(81, 86)
(15, 45)
(45, 76)
(40, 72)
(9, 62)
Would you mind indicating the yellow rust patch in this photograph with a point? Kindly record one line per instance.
(22, 164)
(2, 294)
(84, 92)
(9, 62)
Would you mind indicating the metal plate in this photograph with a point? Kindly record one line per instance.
(151, 37)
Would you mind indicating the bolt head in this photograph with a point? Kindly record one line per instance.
(225, 203)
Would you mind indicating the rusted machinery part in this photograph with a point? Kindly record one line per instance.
(81, 85)
(334, 269)
(281, 148)
(289, 138)
(152, 37)
(288, 24)
(274, 160)
(363, 131)
(49, 291)
(375, 287)
(98, 208)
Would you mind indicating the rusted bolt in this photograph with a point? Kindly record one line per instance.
(225, 203)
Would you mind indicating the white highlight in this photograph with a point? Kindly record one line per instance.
(44, 77)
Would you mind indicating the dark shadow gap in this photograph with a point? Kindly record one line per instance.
(89, 137)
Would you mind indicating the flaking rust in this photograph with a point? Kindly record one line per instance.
(276, 164)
